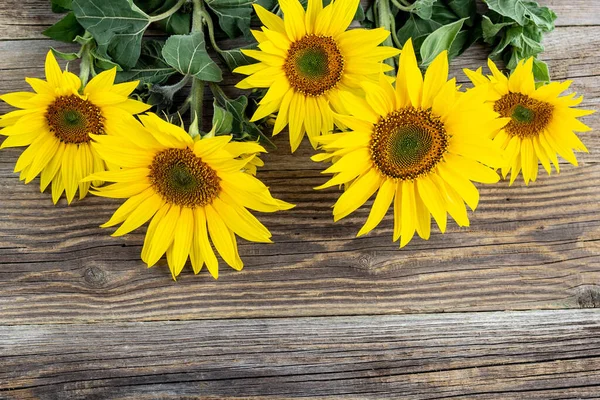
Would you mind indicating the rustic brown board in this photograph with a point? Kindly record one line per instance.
(82, 317)
(528, 247)
(511, 355)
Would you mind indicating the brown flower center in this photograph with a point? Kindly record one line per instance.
(528, 116)
(72, 119)
(182, 178)
(408, 143)
(314, 65)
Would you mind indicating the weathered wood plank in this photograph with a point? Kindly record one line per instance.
(528, 247)
(508, 355)
(533, 247)
(28, 18)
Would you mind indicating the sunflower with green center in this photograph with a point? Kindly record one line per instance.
(191, 190)
(307, 60)
(542, 123)
(419, 145)
(55, 123)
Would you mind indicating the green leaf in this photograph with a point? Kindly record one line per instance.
(441, 39)
(241, 127)
(540, 71)
(151, 68)
(491, 30)
(417, 29)
(61, 6)
(187, 54)
(509, 35)
(234, 15)
(65, 56)
(178, 23)
(117, 26)
(235, 58)
(442, 14)
(102, 62)
(458, 45)
(523, 11)
(423, 8)
(65, 30)
(222, 121)
(463, 8)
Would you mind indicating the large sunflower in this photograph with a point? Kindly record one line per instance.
(56, 122)
(419, 146)
(191, 189)
(308, 59)
(542, 123)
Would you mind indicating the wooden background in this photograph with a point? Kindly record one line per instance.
(503, 309)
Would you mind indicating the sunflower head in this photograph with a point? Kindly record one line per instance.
(56, 122)
(193, 192)
(418, 145)
(308, 59)
(541, 122)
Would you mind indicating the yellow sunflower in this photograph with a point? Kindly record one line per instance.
(542, 123)
(418, 145)
(56, 122)
(190, 189)
(308, 59)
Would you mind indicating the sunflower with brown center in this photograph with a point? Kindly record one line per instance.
(419, 145)
(307, 60)
(190, 190)
(55, 123)
(541, 123)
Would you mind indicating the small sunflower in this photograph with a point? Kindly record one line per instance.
(190, 189)
(541, 122)
(308, 59)
(56, 122)
(419, 146)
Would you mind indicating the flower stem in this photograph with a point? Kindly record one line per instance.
(196, 105)
(403, 7)
(168, 13)
(385, 19)
(197, 94)
(86, 65)
(211, 30)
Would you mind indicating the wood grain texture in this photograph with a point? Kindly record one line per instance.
(531, 247)
(83, 318)
(511, 355)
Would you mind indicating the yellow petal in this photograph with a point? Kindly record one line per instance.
(312, 11)
(269, 19)
(357, 194)
(343, 14)
(382, 203)
(435, 78)
(408, 213)
(221, 237)
(163, 235)
(103, 82)
(140, 215)
(293, 19)
(201, 235)
(433, 199)
(409, 81)
(182, 241)
(53, 72)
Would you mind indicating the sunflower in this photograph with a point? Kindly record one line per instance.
(308, 59)
(190, 189)
(542, 123)
(419, 146)
(56, 122)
